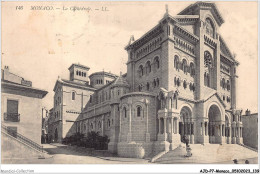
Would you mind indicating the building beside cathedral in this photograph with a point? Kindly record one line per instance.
(71, 97)
(180, 80)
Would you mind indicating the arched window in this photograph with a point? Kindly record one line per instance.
(140, 87)
(209, 27)
(228, 85)
(101, 81)
(176, 62)
(207, 59)
(158, 82)
(148, 67)
(79, 73)
(157, 63)
(184, 84)
(154, 83)
(190, 86)
(99, 125)
(108, 123)
(73, 96)
(139, 110)
(124, 112)
(192, 69)
(223, 83)
(141, 70)
(178, 82)
(147, 86)
(184, 66)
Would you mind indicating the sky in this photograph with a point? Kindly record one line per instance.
(40, 45)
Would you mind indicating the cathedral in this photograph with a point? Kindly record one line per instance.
(180, 80)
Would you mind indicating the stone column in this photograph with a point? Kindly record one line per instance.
(159, 132)
(120, 119)
(233, 87)
(177, 126)
(205, 128)
(191, 133)
(129, 135)
(220, 130)
(172, 125)
(164, 126)
(224, 131)
(147, 135)
(190, 128)
(102, 125)
(147, 119)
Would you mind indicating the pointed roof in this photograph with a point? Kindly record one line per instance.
(201, 4)
(120, 81)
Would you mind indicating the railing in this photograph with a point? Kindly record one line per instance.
(12, 117)
(22, 138)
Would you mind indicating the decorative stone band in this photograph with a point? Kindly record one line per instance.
(210, 42)
(138, 94)
(184, 46)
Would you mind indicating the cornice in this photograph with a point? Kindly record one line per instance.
(201, 4)
(150, 34)
(179, 30)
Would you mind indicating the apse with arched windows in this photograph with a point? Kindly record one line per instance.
(186, 125)
(215, 127)
(208, 69)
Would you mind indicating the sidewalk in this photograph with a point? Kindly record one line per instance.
(101, 154)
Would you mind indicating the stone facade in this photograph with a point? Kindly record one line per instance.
(250, 129)
(180, 80)
(21, 114)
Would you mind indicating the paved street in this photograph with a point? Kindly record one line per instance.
(59, 154)
(62, 154)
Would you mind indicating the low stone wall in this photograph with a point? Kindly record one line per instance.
(134, 149)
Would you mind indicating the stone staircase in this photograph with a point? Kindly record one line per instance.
(209, 153)
(15, 145)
